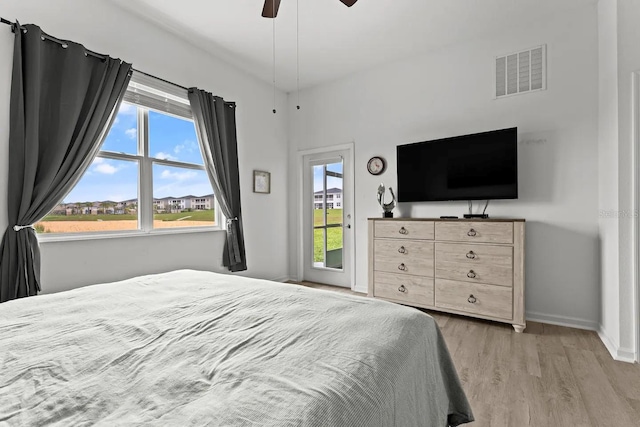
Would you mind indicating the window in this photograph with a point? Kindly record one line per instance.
(149, 173)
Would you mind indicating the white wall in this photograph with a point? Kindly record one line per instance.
(449, 92)
(102, 27)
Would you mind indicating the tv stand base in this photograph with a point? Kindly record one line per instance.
(481, 216)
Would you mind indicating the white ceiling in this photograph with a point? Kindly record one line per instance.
(335, 40)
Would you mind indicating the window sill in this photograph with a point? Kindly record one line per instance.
(69, 237)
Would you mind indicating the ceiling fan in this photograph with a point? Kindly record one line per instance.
(270, 9)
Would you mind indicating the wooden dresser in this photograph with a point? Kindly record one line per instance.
(465, 266)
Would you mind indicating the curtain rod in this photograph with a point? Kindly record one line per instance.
(97, 55)
(4, 21)
(53, 39)
(162, 80)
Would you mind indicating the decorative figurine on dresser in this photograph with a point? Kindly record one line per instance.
(468, 267)
(387, 208)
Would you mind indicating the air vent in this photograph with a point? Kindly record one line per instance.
(521, 72)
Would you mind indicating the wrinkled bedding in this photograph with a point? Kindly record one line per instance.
(199, 348)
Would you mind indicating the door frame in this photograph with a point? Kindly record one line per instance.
(300, 207)
(635, 123)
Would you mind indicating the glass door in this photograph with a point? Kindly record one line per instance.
(328, 215)
(327, 202)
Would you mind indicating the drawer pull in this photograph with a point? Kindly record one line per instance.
(471, 255)
(472, 299)
(402, 250)
(471, 274)
(402, 267)
(472, 233)
(402, 289)
(403, 230)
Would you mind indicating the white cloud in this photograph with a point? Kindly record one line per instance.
(178, 176)
(102, 165)
(165, 156)
(105, 168)
(131, 133)
(128, 109)
(188, 146)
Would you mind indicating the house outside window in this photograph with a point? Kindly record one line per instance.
(148, 174)
(334, 199)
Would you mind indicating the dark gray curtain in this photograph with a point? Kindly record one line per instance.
(62, 101)
(215, 122)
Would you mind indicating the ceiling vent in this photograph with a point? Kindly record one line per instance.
(521, 72)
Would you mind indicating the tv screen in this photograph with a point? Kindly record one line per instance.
(481, 166)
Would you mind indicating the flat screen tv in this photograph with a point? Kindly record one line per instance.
(482, 166)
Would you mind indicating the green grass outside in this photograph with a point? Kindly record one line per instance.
(334, 235)
(101, 217)
(334, 216)
(206, 215)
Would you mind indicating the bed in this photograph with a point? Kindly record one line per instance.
(199, 348)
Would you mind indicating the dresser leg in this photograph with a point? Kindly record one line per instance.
(519, 328)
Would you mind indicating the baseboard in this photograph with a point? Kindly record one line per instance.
(361, 290)
(570, 322)
(282, 279)
(621, 354)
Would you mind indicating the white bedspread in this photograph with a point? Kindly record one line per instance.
(197, 348)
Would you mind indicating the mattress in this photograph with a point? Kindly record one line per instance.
(191, 348)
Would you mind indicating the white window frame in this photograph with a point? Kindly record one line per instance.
(176, 100)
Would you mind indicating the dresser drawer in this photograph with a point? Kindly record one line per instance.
(481, 273)
(405, 229)
(475, 231)
(400, 256)
(486, 300)
(408, 289)
(475, 254)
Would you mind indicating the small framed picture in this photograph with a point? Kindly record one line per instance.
(261, 182)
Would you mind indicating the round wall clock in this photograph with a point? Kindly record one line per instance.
(376, 165)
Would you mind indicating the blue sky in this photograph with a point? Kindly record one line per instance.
(332, 182)
(170, 138)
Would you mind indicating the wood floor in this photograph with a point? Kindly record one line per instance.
(547, 376)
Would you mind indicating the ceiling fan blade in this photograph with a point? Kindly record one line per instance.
(270, 9)
(349, 3)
